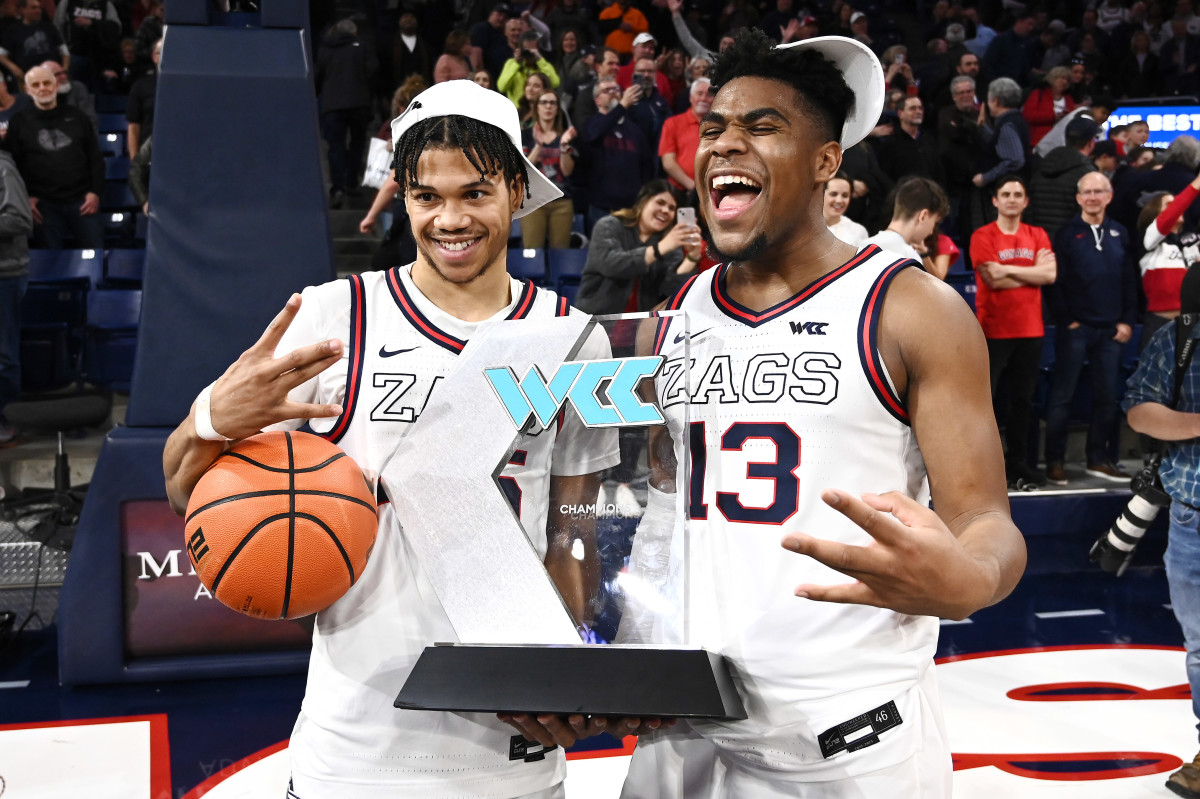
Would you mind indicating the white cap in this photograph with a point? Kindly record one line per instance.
(863, 75)
(469, 99)
(642, 38)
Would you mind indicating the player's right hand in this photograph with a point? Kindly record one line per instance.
(253, 392)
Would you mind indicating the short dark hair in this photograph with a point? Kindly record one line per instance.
(914, 195)
(1011, 177)
(819, 83)
(486, 147)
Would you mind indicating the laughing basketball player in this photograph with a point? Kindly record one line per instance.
(833, 392)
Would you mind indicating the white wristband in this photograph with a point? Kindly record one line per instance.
(204, 427)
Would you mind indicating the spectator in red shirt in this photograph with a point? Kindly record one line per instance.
(1048, 104)
(1013, 261)
(681, 137)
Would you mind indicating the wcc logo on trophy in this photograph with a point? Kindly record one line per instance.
(524, 394)
(579, 384)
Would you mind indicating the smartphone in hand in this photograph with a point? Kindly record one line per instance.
(685, 216)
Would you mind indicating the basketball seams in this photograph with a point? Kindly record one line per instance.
(280, 469)
(291, 550)
(229, 561)
(278, 492)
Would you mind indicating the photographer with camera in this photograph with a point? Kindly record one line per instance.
(525, 61)
(1163, 400)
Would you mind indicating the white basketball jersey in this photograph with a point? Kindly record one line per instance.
(349, 741)
(784, 403)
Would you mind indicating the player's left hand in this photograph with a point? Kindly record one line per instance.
(915, 564)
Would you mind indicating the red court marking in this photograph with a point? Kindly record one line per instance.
(227, 772)
(160, 748)
(1095, 692)
(1063, 648)
(1160, 764)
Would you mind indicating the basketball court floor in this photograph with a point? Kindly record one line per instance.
(1072, 687)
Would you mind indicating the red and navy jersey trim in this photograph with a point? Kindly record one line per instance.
(742, 314)
(525, 302)
(564, 307)
(660, 335)
(868, 340)
(434, 333)
(354, 355)
(418, 320)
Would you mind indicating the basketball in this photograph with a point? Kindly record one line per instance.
(281, 525)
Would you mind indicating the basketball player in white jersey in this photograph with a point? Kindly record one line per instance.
(831, 392)
(359, 359)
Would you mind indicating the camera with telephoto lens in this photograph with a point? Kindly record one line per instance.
(1113, 550)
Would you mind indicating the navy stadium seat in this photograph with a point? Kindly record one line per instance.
(118, 228)
(514, 235)
(565, 267)
(53, 315)
(111, 123)
(117, 196)
(112, 143)
(579, 224)
(111, 103)
(110, 338)
(527, 264)
(116, 167)
(123, 268)
(85, 267)
(140, 226)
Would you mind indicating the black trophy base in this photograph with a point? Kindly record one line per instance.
(597, 680)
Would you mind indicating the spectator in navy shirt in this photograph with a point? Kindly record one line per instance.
(619, 158)
(1094, 306)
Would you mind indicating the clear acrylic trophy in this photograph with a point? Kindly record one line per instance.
(564, 581)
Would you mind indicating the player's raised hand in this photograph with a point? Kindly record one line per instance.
(914, 565)
(253, 392)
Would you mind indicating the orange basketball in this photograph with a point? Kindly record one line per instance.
(281, 525)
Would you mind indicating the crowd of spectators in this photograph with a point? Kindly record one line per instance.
(980, 94)
(56, 56)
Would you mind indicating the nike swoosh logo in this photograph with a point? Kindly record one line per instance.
(679, 337)
(383, 351)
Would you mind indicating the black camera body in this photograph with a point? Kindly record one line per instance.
(1113, 550)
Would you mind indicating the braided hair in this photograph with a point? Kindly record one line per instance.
(485, 146)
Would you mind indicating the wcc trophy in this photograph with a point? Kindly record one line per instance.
(596, 627)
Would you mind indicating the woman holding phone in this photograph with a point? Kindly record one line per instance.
(638, 256)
